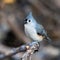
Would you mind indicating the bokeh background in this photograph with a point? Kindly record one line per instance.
(12, 15)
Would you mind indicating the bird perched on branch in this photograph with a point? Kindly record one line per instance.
(34, 30)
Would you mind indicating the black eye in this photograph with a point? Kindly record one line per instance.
(29, 20)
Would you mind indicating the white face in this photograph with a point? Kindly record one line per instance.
(29, 22)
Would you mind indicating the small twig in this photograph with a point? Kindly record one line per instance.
(27, 55)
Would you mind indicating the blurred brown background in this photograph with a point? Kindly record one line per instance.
(12, 15)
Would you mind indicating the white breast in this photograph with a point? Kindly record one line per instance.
(31, 33)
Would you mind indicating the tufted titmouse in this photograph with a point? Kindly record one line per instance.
(34, 30)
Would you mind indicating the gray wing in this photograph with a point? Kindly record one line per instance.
(41, 31)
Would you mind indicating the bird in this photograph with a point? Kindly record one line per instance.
(34, 30)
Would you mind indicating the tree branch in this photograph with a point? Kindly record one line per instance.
(28, 49)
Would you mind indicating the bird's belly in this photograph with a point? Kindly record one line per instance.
(31, 33)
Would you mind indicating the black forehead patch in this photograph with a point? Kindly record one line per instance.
(25, 19)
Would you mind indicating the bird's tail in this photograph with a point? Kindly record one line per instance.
(48, 39)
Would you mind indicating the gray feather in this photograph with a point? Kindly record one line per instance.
(40, 29)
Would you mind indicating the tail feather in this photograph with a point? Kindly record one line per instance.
(48, 39)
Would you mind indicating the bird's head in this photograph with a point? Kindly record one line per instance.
(29, 20)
